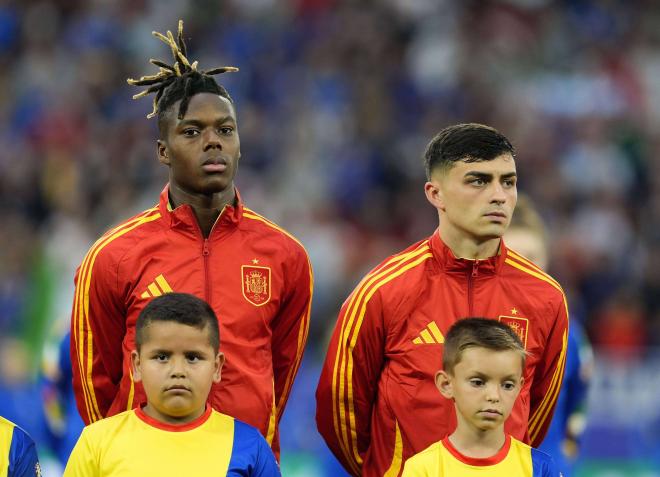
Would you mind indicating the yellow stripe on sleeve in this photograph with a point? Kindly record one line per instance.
(397, 456)
(338, 390)
(397, 266)
(541, 413)
(81, 309)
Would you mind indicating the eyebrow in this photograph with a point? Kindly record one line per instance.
(197, 122)
(488, 175)
(479, 374)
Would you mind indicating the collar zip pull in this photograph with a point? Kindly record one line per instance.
(475, 268)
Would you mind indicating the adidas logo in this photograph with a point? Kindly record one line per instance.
(157, 288)
(430, 335)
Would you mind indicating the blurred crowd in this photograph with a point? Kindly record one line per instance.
(336, 100)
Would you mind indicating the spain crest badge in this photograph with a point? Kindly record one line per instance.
(256, 284)
(519, 325)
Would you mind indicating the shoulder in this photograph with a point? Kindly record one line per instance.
(424, 462)
(269, 230)
(123, 236)
(107, 426)
(400, 268)
(519, 268)
(247, 434)
(543, 465)
(18, 436)
(399, 279)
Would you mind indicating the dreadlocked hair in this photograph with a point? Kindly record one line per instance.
(179, 81)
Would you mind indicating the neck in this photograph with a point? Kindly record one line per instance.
(207, 207)
(477, 443)
(154, 413)
(469, 247)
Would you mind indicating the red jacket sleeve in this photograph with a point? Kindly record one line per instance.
(290, 328)
(97, 330)
(548, 376)
(349, 379)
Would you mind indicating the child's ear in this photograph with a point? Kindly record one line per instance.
(135, 359)
(219, 362)
(444, 384)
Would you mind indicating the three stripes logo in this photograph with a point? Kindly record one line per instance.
(157, 288)
(430, 335)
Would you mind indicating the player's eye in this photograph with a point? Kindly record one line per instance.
(190, 132)
(478, 181)
(476, 382)
(193, 357)
(161, 357)
(509, 386)
(226, 130)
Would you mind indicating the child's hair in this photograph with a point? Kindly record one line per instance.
(479, 333)
(526, 217)
(180, 308)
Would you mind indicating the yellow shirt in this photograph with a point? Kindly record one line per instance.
(514, 459)
(134, 444)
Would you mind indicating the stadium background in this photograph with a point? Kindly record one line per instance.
(336, 100)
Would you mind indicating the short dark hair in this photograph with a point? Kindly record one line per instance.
(479, 333)
(180, 308)
(179, 81)
(470, 142)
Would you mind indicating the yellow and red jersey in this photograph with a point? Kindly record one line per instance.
(377, 403)
(442, 459)
(256, 276)
(132, 443)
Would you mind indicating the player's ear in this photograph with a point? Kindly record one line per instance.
(444, 384)
(433, 192)
(163, 157)
(219, 362)
(135, 360)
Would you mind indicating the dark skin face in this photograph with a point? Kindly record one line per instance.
(202, 151)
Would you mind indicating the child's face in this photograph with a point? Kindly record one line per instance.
(484, 386)
(177, 366)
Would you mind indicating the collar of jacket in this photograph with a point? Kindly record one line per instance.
(448, 262)
(183, 216)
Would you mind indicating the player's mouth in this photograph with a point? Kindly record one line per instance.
(215, 164)
(496, 216)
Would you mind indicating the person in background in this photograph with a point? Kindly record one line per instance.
(527, 235)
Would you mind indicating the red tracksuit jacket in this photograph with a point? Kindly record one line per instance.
(377, 403)
(256, 277)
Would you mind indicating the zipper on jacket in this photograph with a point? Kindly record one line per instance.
(471, 276)
(207, 281)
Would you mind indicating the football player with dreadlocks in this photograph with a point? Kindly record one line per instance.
(199, 239)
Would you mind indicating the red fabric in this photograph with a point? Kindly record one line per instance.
(477, 461)
(376, 377)
(263, 340)
(164, 426)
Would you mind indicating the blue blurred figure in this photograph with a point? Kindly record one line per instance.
(20, 396)
(562, 439)
(64, 422)
(527, 235)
